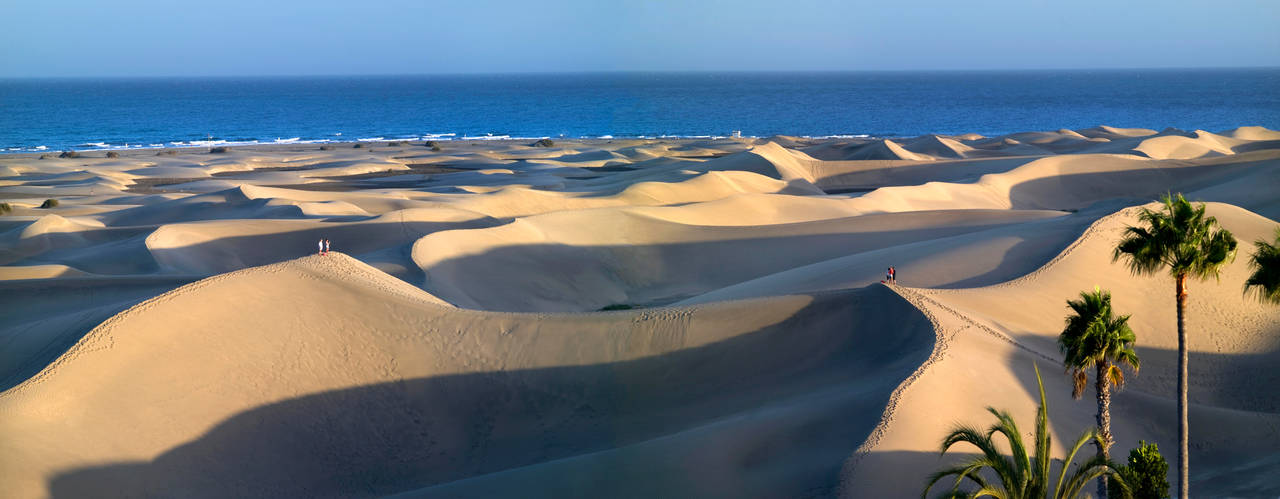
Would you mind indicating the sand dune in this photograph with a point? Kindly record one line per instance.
(990, 254)
(1061, 141)
(391, 388)
(167, 329)
(1231, 357)
(882, 149)
(1251, 133)
(938, 147)
(682, 186)
(631, 259)
(1170, 144)
(1113, 133)
(1061, 182)
(218, 246)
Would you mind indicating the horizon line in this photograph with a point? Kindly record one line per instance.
(644, 71)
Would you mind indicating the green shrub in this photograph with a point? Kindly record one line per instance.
(49, 203)
(326, 148)
(543, 143)
(167, 152)
(429, 143)
(357, 146)
(45, 156)
(1146, 472)
(435, 148)
(69, 154)
(113, 154)
(617, 306)
(395, 143)
(5, 208)
(218, 150)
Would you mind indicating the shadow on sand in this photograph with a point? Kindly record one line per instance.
(773, 412)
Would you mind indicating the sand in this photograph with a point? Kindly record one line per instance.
(168, 330)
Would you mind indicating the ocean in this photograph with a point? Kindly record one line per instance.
(58, 114)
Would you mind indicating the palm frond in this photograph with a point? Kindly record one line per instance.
(993, 458)
(1022, 476)
(1179, 237)
(1140, 248)
(1117, 479)
(968, 471)
(1265, 262)
(1011, 472)
(992, 492)
(1115, 377)
(1128, 357)
(1079, 381)
(1090, 435)
(1087, 471)
(1043, 440)
(963, 433)
(1094, 335)
(1216, 249)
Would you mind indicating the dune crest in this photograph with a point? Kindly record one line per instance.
(403, 355)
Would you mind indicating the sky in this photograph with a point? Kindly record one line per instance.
(87, 38)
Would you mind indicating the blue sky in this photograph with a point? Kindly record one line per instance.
(289, 37)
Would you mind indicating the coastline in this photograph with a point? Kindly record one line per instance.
(72, 114)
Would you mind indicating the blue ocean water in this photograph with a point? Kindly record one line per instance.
(87, 113)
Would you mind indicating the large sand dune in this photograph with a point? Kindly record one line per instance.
(167, 329)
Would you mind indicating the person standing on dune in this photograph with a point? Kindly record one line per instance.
(321, 246)
(893, 275)
(888, 275)
(326, 246)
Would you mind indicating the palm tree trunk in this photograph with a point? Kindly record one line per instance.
(1184, 458)
(1102, 388)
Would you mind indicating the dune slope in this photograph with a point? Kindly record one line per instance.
(328, 372)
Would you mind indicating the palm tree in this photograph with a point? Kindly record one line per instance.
(1178, 237)
(1096, 339)
(1265, 262)
(1022, 476)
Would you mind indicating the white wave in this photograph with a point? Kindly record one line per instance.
(337, 137)
(205, 143)
(838, 136)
